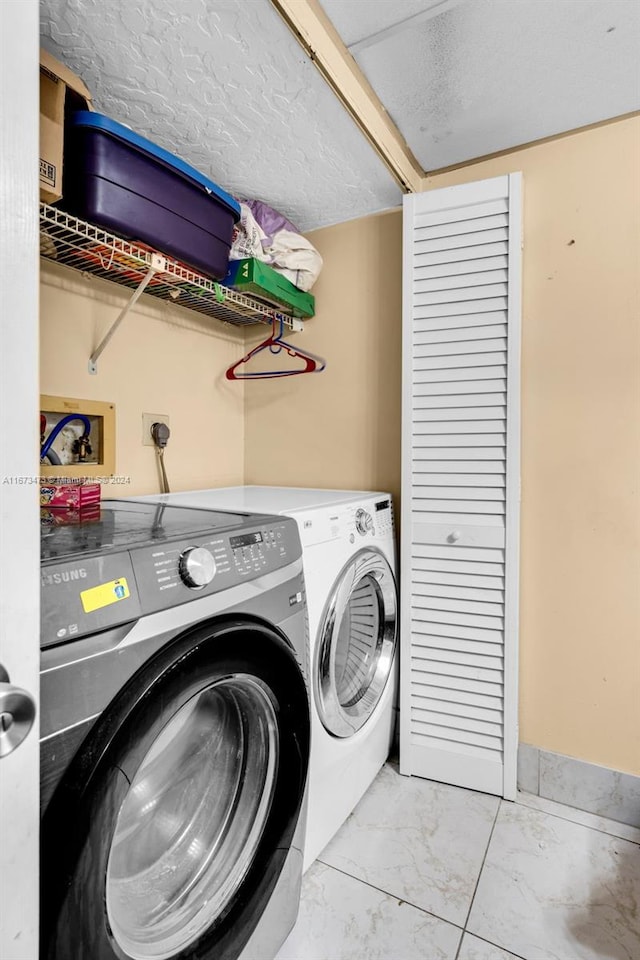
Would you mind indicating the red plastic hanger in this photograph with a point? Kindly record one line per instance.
(275, 344)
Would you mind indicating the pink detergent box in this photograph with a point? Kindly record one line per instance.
(62, 518)
(69, 494)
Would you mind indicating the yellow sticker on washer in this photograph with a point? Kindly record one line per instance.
(104, 594)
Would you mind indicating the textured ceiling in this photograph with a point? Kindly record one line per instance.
(223, 84)
(361, 21)
(465, 78)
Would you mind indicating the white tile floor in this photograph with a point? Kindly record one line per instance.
(424, 871)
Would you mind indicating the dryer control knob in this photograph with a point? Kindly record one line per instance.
(364, 522)
(197, 567)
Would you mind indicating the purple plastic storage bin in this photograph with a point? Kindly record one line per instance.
(119, 180)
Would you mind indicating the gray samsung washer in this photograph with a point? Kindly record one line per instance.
(174, 734)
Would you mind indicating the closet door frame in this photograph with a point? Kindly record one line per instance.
(460, 194)
(19, 467)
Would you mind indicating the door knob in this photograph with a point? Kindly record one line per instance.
(454, 536)
(17, 713)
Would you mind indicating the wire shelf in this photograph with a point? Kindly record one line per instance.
(74, 243)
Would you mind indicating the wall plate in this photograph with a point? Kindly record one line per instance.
(102, 462)
(148, 419)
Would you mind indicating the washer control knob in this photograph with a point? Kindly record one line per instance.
(197, 567)
(364, 522)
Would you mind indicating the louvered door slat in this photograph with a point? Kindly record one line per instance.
(473, 334)
(456, 472)
(458, 686)
(460, 255)
(456, 402)
(460, 671)
(442, 697)
(464, 586)
(459, 568)
(457, 617)
(469, 239)
(467, 320)
(425, 310)
(459, 527)
(477, 265)
(476, 720)
(449, 700)
(435, 600)
(441, 708)
(452, 425)
(452, 348)
(436, 439)
(424, 624)
(457, 377)
(462, 389)
(426, 228)
(456, 294)
(458, 739)
(433, 361)
(462, 646)
(453, 214)
(453, 492)
(462, 281)
(436, 589)
(431, 478)
(457, 581)
(431, 505)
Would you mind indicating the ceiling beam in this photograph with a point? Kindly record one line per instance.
(323, 45)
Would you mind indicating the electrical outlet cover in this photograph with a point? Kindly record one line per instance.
(148, 419)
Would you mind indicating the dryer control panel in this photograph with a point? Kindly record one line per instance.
(369, 520)
(358, 521)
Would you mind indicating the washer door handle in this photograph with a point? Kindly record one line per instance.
(17, 713)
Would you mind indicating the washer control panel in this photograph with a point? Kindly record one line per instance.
(255, 551)
(168, 573)
(140, 558)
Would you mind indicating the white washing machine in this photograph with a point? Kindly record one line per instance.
(350, 573)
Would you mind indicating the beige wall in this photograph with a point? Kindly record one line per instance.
(580, 584)
(580, 595)
(339, 428)
(580, 532)
(161, 360)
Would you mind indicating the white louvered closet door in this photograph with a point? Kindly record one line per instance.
(460, 485)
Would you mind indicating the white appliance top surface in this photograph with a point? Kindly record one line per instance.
(285, 500)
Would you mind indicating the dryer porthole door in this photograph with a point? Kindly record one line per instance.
(167, 835)
(356, 643)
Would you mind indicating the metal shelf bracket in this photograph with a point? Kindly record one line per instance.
(158, 265)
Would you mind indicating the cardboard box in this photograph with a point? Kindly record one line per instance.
(69, 495)
(59, 88)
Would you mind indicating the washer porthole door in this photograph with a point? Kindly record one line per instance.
(191, 822)
(356, 643)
